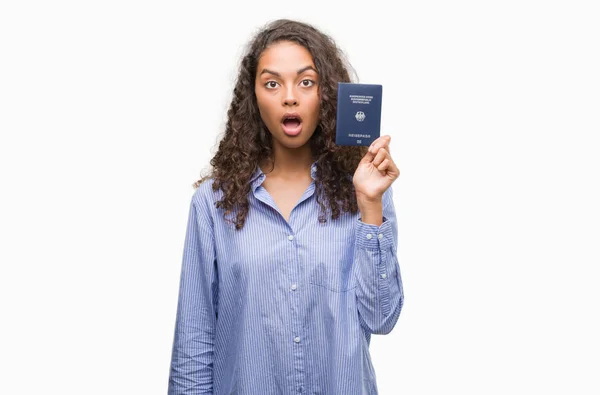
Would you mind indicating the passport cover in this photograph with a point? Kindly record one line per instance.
(358, 114)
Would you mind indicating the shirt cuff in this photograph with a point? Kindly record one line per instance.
(371, 236)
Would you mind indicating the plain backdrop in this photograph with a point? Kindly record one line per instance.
(110, 110)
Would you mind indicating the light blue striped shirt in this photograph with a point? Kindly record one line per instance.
(281, 308)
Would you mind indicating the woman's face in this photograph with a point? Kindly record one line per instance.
(287, 85)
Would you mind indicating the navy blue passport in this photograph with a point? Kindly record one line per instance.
(358, 114)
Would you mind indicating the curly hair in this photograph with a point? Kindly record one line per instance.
(246, 141)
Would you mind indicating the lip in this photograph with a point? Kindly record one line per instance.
(292, 131)
(291, 115)
(288, 130)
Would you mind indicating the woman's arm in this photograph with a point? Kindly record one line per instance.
(379, 290)
(192, 357)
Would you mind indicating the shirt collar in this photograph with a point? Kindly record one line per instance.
(258, 176)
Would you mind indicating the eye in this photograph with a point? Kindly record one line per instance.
(269, 84)
(310, 83)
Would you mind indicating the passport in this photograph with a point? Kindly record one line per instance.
(358, 119)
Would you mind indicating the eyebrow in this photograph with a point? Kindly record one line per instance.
(302, 70)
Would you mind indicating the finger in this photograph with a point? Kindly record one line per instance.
(381, 155)
(368, 158)
(375, 145)
(383, 141)
(392, 169)
(378, 146)
(384, 165)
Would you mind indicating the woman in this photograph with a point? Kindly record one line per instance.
(290, 259)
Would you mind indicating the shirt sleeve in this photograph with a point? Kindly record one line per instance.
(379, 290)
(193, 347)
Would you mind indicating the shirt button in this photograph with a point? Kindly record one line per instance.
(383, 275)
(290, 237)
(293, 287)
(297, 339)
(380, 236)
(369, 236)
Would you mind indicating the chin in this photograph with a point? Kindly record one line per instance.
(291, 142)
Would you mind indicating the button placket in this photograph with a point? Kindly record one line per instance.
(295, 274)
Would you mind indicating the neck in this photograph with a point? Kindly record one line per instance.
(290, 163)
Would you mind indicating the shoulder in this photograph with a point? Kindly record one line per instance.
(204, 199)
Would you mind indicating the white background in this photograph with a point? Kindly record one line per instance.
(109, 111)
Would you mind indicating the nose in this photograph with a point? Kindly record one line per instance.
(290, 97)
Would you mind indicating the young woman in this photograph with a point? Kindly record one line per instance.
(289, 263)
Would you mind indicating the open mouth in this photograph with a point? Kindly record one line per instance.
(291, 124)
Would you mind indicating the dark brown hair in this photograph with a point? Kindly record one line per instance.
(246, 141)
